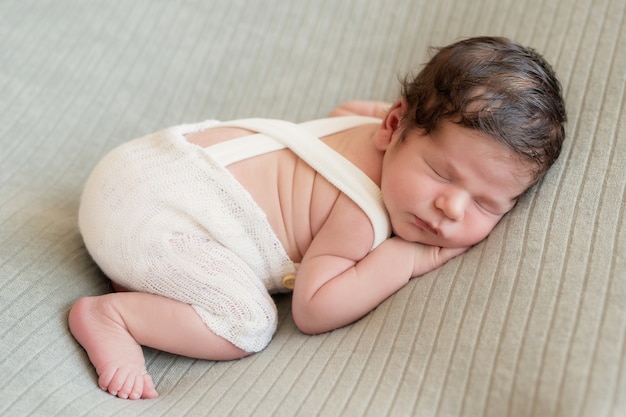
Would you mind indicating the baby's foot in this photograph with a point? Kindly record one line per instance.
(115, 354)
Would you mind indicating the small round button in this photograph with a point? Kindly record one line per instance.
(289, 281)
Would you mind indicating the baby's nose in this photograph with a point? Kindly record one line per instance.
(453, 204)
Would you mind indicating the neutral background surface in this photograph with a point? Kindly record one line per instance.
(531, 322)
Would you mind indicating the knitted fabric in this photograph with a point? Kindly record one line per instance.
(158, 215)
(164, 216)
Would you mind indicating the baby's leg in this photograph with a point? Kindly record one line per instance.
(113, 327)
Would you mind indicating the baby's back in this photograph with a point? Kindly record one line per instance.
(296, 199)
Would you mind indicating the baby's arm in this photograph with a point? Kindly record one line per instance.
(339, 280)
(362, 108)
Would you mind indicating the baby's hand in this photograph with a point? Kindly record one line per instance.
(428, 257)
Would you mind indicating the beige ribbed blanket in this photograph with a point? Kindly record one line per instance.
(531, 322)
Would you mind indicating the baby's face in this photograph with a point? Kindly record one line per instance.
(451, 187)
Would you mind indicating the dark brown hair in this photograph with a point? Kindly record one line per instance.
(507, 91)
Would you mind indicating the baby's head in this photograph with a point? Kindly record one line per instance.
(479, 125)
(497, 87)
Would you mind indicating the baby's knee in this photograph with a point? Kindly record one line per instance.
(261, 333)
(254, 336)
(250, 333)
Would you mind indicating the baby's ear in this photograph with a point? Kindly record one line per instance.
(395, 114)
(391, 124)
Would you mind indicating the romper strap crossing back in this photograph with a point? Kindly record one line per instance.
(303, 140)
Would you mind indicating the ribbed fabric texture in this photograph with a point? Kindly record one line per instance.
(531, 322)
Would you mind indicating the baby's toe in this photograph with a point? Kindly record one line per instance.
(127, 384)
(148, 387)
(116, 382)
(132, 386)
(105, 378)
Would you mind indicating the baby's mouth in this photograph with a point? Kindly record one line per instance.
(425, 226)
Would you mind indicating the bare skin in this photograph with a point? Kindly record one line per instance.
(319, 227)
(359, 107)
(112, 328)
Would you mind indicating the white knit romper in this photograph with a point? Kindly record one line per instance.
(161, 215)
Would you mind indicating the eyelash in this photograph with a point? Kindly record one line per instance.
(479, 204)
(482, 207)
(437, 172)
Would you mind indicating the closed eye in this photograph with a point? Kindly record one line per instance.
(437, 173)
(490, 208)
(484, 207)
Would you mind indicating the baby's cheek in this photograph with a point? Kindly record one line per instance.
(473, 232)
(484, 227)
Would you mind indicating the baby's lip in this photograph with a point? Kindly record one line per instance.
(426, 226)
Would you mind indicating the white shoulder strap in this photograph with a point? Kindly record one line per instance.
(339, 171)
